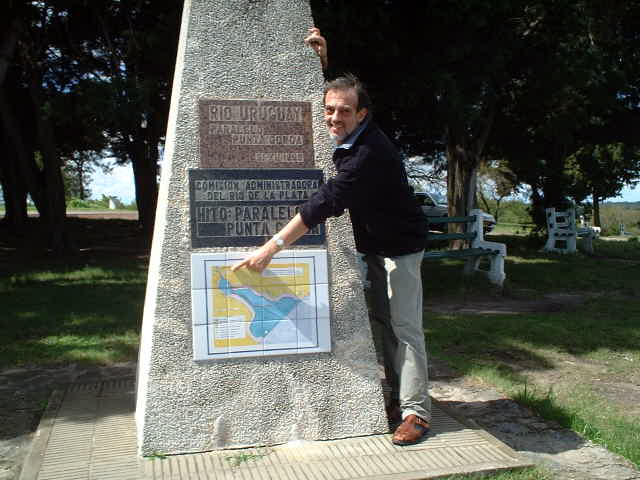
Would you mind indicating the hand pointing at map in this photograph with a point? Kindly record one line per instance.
(260, 259)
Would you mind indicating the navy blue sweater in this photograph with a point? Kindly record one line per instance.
(372, 183)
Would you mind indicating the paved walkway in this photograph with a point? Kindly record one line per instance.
(24, 394)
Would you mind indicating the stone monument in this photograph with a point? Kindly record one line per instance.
(244, 359)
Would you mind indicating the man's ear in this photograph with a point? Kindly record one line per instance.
(360, 114)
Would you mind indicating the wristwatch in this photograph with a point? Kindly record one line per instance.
(279, 241)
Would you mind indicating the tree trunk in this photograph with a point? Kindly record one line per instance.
(14, 192)
(55, 205)
(8, 47)
(464, 151)
(596, 210)
(144, 161)
(461, 185)
(23, 160)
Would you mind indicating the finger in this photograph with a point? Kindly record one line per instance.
(241, 264)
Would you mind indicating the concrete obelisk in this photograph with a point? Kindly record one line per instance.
(225, 362)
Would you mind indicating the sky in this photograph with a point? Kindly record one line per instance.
(119, 183)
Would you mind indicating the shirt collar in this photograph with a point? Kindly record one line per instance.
(353, 136)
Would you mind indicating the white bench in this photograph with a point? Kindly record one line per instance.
(562, 232)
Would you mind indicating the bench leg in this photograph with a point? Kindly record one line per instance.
(588, 244)
(472, 265)
(496, 273)
(550, 246)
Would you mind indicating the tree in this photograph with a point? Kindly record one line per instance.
(576, 88)
(77, 172)
(438, 72)
(496, 181)
(135, 48)
(602, 171)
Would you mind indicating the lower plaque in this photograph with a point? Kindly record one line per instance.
(282, 310)
(245, 207)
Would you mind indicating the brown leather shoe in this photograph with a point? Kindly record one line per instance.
(394, 414)
(410, 431)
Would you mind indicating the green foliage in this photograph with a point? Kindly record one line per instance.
(603, 170)
(103, 203)
(515, 211)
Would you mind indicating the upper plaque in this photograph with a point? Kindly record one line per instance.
(255, 134)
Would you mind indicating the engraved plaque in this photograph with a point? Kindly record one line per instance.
(255, 134)
(245, 207)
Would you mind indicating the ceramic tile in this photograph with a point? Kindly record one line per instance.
(281, 271)
(283, 334)
(205, 344)
(199, 307)
(322, 300)
(245, 304)
(242, 276)
(245, 339)
(316, 304)
(199, 267)
(324, 334)
(318, 259)
(306, 295)
(221, 276)
(307, 333)
(217, 305)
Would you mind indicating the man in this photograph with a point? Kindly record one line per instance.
(389, 229)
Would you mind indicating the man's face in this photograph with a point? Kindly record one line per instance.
(341, 114)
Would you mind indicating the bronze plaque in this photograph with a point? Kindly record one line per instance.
(255, 134)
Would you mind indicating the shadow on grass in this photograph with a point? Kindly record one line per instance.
(65, 315)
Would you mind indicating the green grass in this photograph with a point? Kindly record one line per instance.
(524, 474)
(87, 314)
(585, 413)
(516, 352)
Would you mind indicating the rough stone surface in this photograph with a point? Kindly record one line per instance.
(246, 49)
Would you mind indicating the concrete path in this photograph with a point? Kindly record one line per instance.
(24, 393)
(88, 432)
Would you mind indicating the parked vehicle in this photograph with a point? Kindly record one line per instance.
(432, 204)
(435, 205)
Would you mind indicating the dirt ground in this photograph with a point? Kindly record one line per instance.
(620, 388)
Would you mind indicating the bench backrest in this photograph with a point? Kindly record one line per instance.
(561, 220)
(467, 235)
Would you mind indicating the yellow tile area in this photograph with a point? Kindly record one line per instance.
(232, 316)
(239, 278)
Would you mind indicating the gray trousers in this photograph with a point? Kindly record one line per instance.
(396, 303)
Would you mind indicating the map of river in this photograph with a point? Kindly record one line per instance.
(282, 310)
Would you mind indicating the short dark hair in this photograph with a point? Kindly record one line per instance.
(347, 82)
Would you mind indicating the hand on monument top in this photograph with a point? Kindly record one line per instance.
(258, 260)
(316, 41)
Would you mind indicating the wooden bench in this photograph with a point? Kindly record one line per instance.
(562, 232)
(478, 248)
